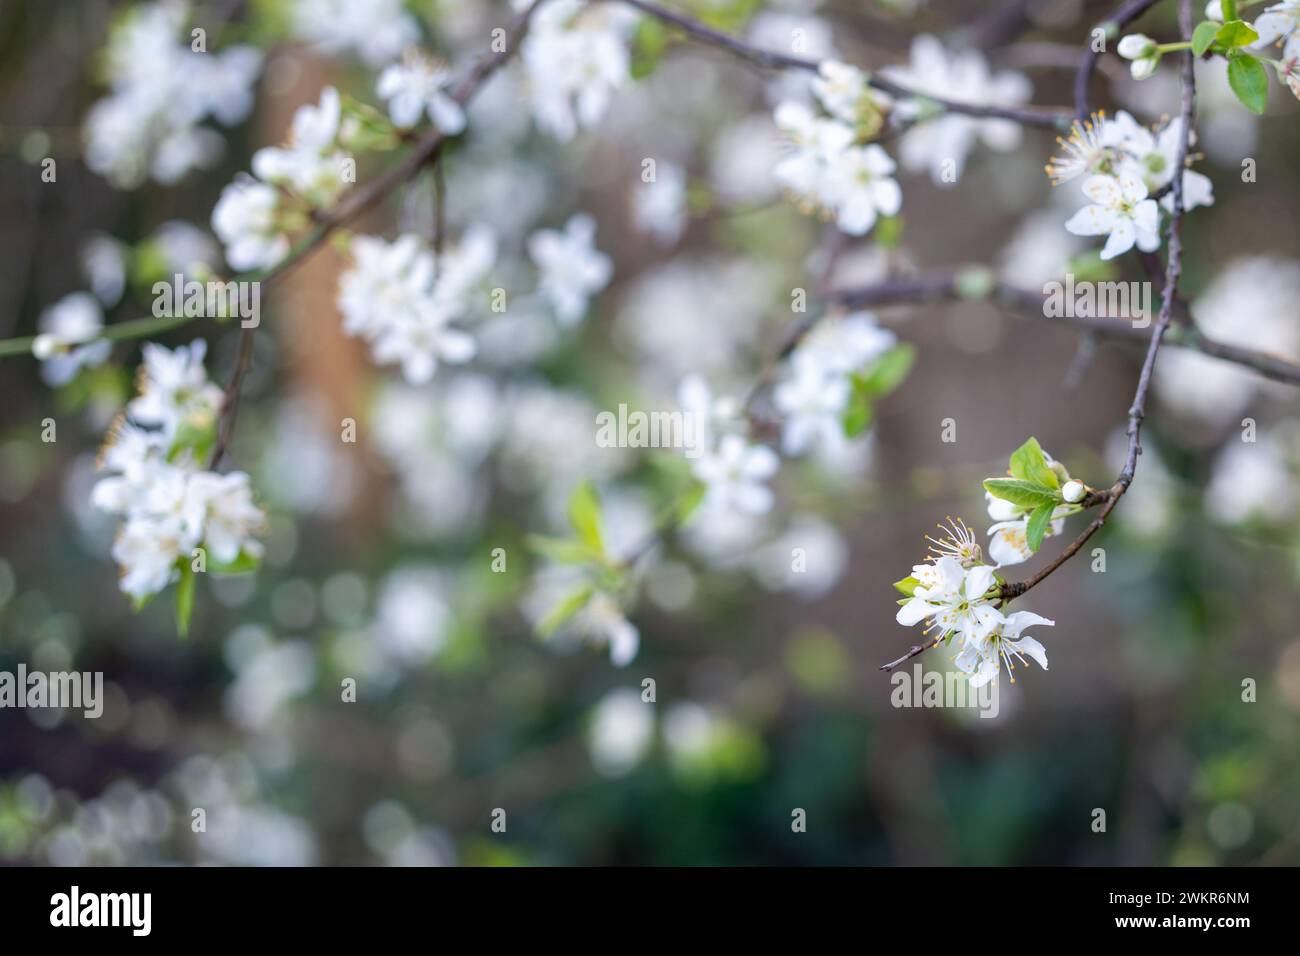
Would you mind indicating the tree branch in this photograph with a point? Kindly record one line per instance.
(1055, 118)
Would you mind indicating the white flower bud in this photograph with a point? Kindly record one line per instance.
(1141, 69)
(1136, 46)
(45, 346)
(1073, 491)
(1214, 11)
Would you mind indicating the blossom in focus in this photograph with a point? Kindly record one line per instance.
(1120, 211)
(984, 658)
(1142, 51)
(956, 600)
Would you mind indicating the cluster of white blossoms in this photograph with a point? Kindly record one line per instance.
(814, 396)
(254, 216)
(69, 338)
(1122, 163)
(409, 303)
(377, 30)
(959, 598)
(829, 167)
(169, 504)
(961, 595)
(576, 58)
(404, 305)
(160, 92)
(941, 143)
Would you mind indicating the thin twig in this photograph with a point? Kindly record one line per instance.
(1055, 118)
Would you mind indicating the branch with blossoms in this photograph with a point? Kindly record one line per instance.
(422, 301)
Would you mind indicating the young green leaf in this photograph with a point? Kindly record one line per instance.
(1028, 463)
(185, 599)
(567, 607)
(907, 585)
(690, 500)
(1231, 35)
(584, 515)
(561, 550)
(857, 417)
(1249, 80)
(1037, 527)
(1203, 36)
(888, 372)
(1023, 493)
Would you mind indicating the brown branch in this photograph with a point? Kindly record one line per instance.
(362, 198)
(1173, 271)
(1055, 118)
(912, 651)
(946, 286)
(1122, 17)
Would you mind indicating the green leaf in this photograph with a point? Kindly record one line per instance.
(888, 372)
(907, 585)
(568, 607)
(857, 417)
(1203, 36)
(1023, 493)
(1037, 527)
(1233, 34)
(1028, 463)
(561, 550)
(1249, 80)
(690, 500)
(242, 564)
(185, 599)
(584, 515)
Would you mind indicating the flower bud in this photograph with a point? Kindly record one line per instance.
(1214, 11)
(1074, 491)
(1142, 69)
(1136, 46)
(45, 346)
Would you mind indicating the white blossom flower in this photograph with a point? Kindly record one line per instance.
(1277, 22)
(734, 474)
(311, 165)
(1120, 211)
(840, 89)
(147, 550)
(231, 517)
(571, 268)
(659, 207)
(174, 386)
(576, 57)
(1288, 67)
(1154, 157)
(420, 341)
(954, 599)
(244, 219)
(1009, 541)
(860, 188)
(378, 30)
(602, 622)
(394, 297)
(69, 338)
(417, 86)
(812, 403)
(983, 658)
(941, 144)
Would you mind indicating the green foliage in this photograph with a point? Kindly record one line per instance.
(584, 515)
(907, 585)
(1249, 80)
(1203, 36)
(888, 372)
(1037, 526)
(1235, 33)
(564, 610)
(184, 598)
(1028, 463)
(1026, 494)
